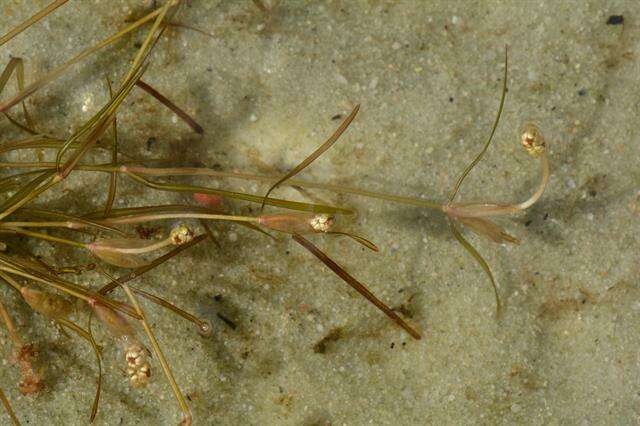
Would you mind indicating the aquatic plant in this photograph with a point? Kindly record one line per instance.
(472, 215)
(102, 234)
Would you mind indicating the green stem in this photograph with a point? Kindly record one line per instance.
(46, 237)
(30, 196)
(7, 407)
(150, 217)
(133, 171)
(58, 71)
(70, 225)
(163, 361)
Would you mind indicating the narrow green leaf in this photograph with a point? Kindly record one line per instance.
(315, 154)
(493, 131)
(483, 264)
(355, 284)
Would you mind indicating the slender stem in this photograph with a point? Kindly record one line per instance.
(163, 361)
(277, 202)
(544, 180)
(147, 44)
(203, 171)
(11, 328)
(86, 334)
(150, 217)
(97, 351)
(70, 225)
(7, 407)
(10, 182)
(113, 178)
(16, 268)
(490, 138)
(173, 107)
(355, 284)
(58, 71)
(35, 18)
(480, 260)
(46, 237)
(28, 165)
(75, 222)
(469, 210)
(30, 196)
(204, 327)
(315, 154)
(13, 283)
(58, 286)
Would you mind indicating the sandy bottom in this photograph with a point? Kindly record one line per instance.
(292, 344)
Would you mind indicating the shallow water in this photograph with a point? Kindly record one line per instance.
(306, 349)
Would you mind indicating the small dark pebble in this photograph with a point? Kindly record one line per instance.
(582, 92)
(529, 222)
(450, 99)
(150, 142)
(336, 117)
(615, 20)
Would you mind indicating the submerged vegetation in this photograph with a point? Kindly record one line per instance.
(105, 236)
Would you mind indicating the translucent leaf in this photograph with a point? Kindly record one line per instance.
(488, 229)
(115, 322)
(49, 305)
(106, 249)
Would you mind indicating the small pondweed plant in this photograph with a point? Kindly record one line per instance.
(103, 233)
(473, 216)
